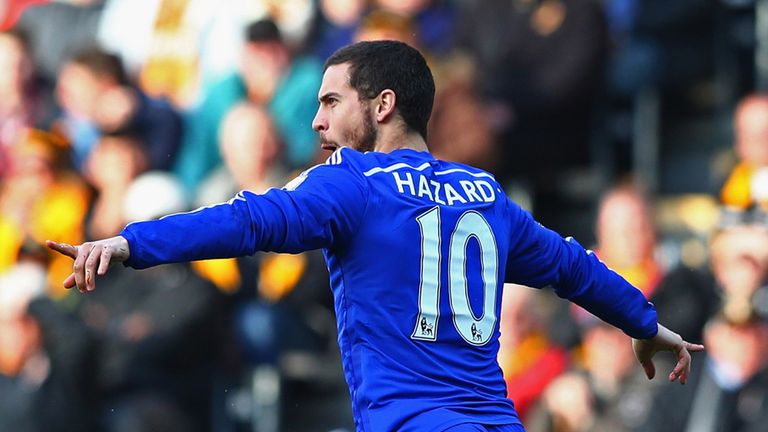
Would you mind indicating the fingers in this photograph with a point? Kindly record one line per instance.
(683, 367)
(70, 251)
(69, 282)
(62, 248)
(90, 267)
(104, 260)
(91, 259)
(78, 268)
(685, 356)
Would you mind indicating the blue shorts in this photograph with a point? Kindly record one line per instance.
(474, 427)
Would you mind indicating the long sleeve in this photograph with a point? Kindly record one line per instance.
(539, 257)
(319, 209)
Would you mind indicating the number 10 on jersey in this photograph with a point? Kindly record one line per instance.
(471, 224)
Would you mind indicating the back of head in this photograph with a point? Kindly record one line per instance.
(263, 31)
(103, 65)
(375, 66)
(116, 160)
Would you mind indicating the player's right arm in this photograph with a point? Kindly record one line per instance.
(320, 209)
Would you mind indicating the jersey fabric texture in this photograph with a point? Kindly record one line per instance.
(418, 250)
(473, 427)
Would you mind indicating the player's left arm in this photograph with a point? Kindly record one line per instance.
(539, 257)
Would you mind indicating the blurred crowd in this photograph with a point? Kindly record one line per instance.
(637, 126)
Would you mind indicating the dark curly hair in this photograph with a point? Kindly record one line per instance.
(378, 65)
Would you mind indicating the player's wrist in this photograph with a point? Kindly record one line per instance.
(120, 247)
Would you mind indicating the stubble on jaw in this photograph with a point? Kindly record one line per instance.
(363, 139)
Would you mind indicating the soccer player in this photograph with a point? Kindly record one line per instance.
(418, 250)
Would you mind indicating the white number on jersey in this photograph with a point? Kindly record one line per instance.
(471, 224)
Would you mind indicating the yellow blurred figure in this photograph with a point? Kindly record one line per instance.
(38, 201)
(747, 184)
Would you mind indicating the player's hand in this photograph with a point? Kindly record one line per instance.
(666, 340)
(91, 259)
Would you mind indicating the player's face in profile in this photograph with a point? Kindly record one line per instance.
(343, 119)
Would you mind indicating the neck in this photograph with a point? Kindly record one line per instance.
(389, 142)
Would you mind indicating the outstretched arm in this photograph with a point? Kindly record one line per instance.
(540, 257)
(666, 340)
(91, 259)
(321, 208)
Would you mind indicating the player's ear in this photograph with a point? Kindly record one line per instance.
(385, 105)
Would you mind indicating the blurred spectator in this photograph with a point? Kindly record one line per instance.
(59, 29)
(157, 331)
(728, 392)
(24, 100)
(45, 356)
(540, 65)
(627, 243)
(626, 237)
(569, 390)
(609, 394)
(122, 17)
(97, 97)
(658, 43)
(285, 86)
(156, 360)
(739, 259)
(530, 361)
(170, 68)
(40, 199)
(459, 129)
(747, 185)
(250, 149)
(176, 47)
(383, 25)
(281, 306)
(111, 169)
(293, 18)
(434, 22)
(338, 21)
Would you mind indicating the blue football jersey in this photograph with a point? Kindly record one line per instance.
(418, 251)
